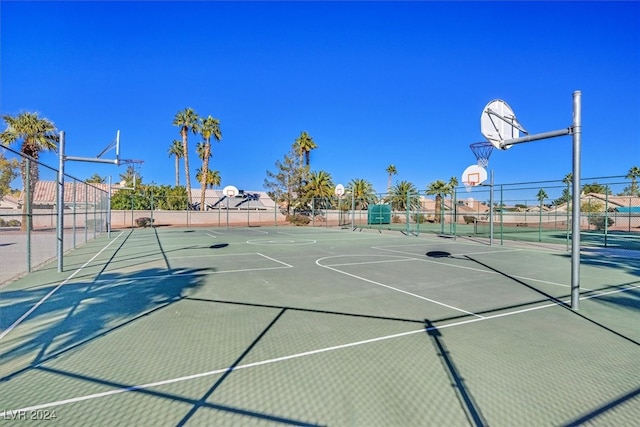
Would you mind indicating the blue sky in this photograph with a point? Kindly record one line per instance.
(373, 83)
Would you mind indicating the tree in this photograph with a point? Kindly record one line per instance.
(188, 121)
(400, 193)
(438, 188)
(131, 177)
(96, 179)
(363, 193)
(320, 186)
(209, 127)
(633, 175)
(596, 188)
(37, 134)
(177, 149)
(303, 146)
(566, 192)
(541, 196)
(8, 172)
(211, 179)
(285, 185)
(391, 170)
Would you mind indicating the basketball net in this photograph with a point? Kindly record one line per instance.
(468, 185)
(482, 151)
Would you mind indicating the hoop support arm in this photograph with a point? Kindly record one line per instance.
(529, 138)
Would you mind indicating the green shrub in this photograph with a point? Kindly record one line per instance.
(144, 221)
(468, 219)
(395, 219)
(419, 218)
(598, 221)
(298, 219)
(14, 223)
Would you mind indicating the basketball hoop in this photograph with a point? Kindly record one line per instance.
(472, 176)
(468, 185)
(482, 151)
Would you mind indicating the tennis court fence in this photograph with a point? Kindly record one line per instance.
(530, 211)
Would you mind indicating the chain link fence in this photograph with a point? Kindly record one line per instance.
(29, 234)
(530, 211)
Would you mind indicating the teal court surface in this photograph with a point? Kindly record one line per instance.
(320, 327)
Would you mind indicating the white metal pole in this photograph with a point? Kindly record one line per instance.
(491, 210)
(575, 220)
(60, 222)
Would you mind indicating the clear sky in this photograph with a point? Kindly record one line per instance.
(374, 83)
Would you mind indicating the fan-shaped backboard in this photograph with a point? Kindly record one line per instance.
(498, 123)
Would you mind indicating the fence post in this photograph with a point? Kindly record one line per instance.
(27, 216)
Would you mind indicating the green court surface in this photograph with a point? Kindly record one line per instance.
(322, 327)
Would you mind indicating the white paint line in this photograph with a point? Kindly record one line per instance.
(275, 260)
(8, 413)
(211, 235)
(480, 270)
(371, 262)
(46, 297)
(392, 288)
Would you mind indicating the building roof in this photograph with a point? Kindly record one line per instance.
(79, 192)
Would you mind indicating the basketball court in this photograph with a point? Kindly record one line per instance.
(299, 326)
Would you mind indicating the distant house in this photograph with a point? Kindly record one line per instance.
(45, 195)
(616, 203)
(245, 199)
(8, 202)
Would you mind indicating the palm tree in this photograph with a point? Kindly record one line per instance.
(320, 186)
(186, 120)
(303, 146)
(541, 196)
(37, 134)
(201, 150)
(363, 193)
(633, 175)
(211, 179)
(130, 176)
(209, 127)
(391, 170)
(399, 194)
(438, 188)
(177, 149)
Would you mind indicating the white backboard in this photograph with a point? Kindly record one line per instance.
(474, 175)
(498, 123)
(230, 191)
(339, 190)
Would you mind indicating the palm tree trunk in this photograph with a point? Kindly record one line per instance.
(205, 173)
(185, 148)
(177, 171)
(27, 218)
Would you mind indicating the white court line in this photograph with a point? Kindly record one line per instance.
(275, 260)
(372, 262)
(211, 235)
(9, 413)
(480, 270)
(391, 287)
(46, 297)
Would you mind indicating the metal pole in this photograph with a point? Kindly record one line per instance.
(109, 210)
(60, 225)
(28, 216)
(491, 210)
(353, 209)
(74, 213)
(575, 235)
(501, 215)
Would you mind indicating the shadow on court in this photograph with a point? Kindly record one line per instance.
(469, 405)
(85, 311)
